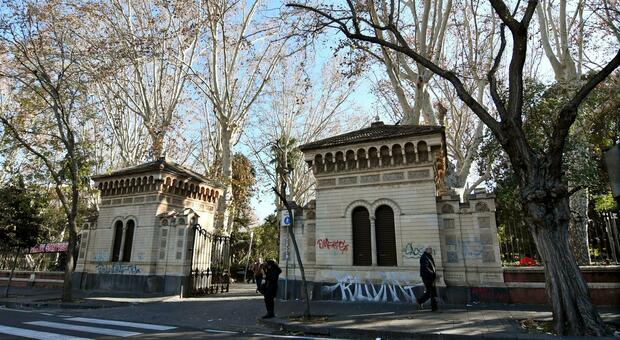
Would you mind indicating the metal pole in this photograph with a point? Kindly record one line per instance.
(245, 272)
(286, 269)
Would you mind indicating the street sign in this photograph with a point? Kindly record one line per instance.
(285, 219)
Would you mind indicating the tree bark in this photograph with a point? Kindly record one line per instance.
(548, 216)
(8, 285)
(223, 210)
(67, 295)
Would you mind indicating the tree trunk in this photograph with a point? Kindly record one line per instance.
(578, 228)
(67, 286)
(157, 146)
(548, 215)
(223, 211)
(6, 292)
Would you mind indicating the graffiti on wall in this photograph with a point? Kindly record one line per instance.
(101, 256)
(117, 268)
(394, 287)
(412, 252)
(339, 245)
(470, 249)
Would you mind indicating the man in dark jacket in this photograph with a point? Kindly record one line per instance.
(428, 274)
(271, 287)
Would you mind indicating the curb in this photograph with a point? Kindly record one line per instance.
(358, 333)
(42, 305)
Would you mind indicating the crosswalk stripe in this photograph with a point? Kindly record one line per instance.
(28, 333)
(123, 324)
(220, 331)
(85, 329)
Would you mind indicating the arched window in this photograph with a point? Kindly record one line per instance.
(340, 164)
(385, 236)
(318, 162)
(373, 155)
(362, 162)
(128, 241)
(118, 238)
(397, 154)
(362, 249)
(329, 162)
(350, 156)
(423, 151)
(409, 153)
(385, 156)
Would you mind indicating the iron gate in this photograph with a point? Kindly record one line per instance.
(210, 268)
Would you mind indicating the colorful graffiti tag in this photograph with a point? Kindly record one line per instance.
(339, 245)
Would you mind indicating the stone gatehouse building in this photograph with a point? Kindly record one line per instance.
(380, 200)
(143, 238)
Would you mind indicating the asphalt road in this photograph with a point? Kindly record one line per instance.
(74, 325)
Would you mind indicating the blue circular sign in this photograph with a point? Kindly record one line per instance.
(287, 220)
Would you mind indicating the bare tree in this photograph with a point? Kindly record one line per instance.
(145, 49)
(49, 86)
(538, 168)
(426, 30)
(242, 48)
(298, 109)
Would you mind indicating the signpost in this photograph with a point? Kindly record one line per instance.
(285, 221)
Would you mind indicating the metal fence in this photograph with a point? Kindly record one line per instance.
(516, 243)
(210, 269)
(517, 246)
(603, 238)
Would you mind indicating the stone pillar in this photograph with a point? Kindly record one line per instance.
(373, 241)
(120, 253)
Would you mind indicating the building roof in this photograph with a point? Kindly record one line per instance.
(156, 166)
(376, 131)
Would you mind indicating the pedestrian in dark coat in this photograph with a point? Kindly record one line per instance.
(271, 287)
(429, 275)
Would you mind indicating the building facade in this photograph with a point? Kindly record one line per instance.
(143, 238)
(380, 201)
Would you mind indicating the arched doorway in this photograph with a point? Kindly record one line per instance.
(362, 249)
(385, 236)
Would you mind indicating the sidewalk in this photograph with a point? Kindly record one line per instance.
(405, 321)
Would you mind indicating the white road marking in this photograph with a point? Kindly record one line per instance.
(220, 331)
(292, 337)
(28, 333)
(122, 323)
(15, 310)
(86, 329)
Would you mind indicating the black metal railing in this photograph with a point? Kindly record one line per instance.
(209, 273)
(517, 244)
(604, 245)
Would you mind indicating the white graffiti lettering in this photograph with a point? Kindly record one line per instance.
(117, 268)
(391, 289)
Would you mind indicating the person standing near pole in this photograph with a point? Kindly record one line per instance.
(270, 289)
(429, 275)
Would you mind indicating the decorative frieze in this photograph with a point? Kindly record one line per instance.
(418, 174)
(347, 180)
(394, 176)
(370, 179)
(327, 182)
